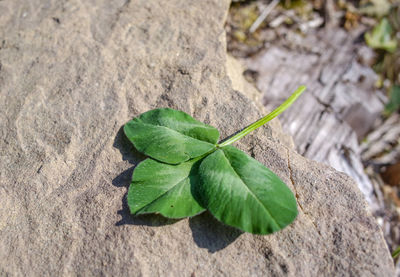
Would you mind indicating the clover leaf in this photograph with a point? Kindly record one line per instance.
(188, 172)
(164, 188)
(242, 192)
(171, 136)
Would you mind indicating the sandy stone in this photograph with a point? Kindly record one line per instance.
(71, 74)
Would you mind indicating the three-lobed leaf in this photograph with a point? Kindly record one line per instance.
(187, 172)
(171, 136)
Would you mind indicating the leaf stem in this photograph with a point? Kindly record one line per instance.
(265, 119)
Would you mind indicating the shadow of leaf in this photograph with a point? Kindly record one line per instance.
(209, 233)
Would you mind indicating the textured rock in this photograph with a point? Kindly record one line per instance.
(72, 73)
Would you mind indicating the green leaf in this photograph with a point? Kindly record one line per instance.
(164, 188)
(171, 136)
(394, 101)
(396, 253)
(191, 172)
(380, 37)
(241, 192)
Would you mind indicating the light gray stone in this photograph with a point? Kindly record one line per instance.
(72, 73)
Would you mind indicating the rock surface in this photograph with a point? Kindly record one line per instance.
(72, 73)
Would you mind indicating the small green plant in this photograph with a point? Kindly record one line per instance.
(394, 101)
(188, 172)
(396, 253)
(381, 37)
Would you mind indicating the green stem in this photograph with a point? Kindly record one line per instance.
(265, 119)
(396, 253)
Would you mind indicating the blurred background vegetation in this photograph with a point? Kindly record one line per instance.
(254, 26)
(382, 16)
